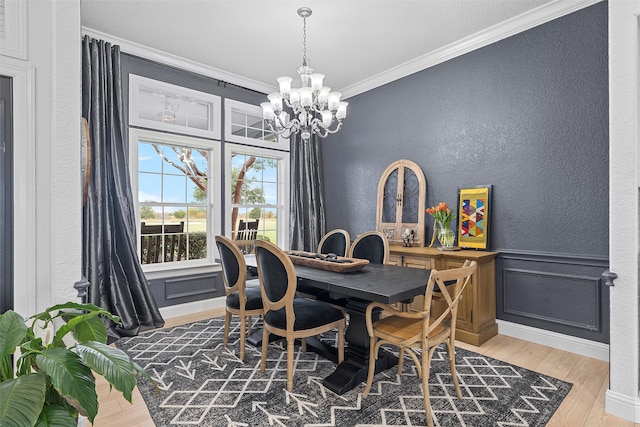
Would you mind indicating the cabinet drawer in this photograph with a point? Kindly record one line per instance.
(415, 262)
(395, 260)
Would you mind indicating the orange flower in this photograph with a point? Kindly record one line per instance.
(441, 213)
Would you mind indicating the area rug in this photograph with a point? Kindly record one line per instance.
(202, 383)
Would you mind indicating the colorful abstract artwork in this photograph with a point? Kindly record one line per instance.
(473, 217)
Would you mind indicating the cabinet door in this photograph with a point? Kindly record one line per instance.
(401, 202)
(418, 262)
(465, 307)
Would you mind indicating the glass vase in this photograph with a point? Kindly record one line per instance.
(446, 236)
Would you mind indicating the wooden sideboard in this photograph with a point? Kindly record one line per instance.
(477, 310)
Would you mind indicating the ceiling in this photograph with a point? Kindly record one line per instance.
(357, 44)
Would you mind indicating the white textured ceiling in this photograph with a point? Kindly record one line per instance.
(349, 41)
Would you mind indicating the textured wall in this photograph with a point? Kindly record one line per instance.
(528, 115)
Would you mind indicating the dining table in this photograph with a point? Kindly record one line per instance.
(374, 282)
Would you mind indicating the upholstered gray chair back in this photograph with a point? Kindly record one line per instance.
(230, 266)
(334, 243)
(273, 274)
(372, 246)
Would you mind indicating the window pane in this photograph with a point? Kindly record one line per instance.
(270, 193)
(270, 170)
(255, 171)
(238, 118)
(148, 158)
(174, 189)
(251, 193)
(195, 194)
(270, 225)
(197, 231)
(200, 160)
(254, 133)
(238, 130)
(254, 121)
(149, 186)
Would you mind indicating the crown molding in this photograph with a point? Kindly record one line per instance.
(178, 61)
(540, 15)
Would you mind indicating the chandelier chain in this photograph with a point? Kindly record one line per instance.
(304, 41)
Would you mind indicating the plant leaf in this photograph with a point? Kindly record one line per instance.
(56, 416)
(110, 362)
(21, 400)
(71, 378)
(92, 329)
(12, 332)
(74, 322)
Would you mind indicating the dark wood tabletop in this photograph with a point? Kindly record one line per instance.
(374, 282)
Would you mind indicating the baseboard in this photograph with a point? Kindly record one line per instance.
(622, 406)
(579, 346)
(192, 307)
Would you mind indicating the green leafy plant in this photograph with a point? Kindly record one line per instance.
(45, 381)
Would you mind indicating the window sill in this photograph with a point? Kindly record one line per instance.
(157, 273)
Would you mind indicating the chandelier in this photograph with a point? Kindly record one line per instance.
(314, 107)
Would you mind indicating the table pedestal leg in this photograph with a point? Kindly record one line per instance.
(353, 370)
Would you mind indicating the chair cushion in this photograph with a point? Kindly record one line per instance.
(309, 314)
(254, 299)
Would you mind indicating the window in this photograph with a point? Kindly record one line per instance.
(258, 195)
(244, 124)
(177, 196)
(164, 106)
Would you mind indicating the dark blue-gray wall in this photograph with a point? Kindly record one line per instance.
(528, 115)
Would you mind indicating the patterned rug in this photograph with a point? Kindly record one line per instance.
(204, 384)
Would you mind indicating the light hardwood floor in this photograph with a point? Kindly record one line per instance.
(583, 406)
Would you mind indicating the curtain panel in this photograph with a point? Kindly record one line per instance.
(110, 261)
(307, 214)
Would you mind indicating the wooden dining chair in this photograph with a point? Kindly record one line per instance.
(284, 314)
(241, 300)
(421, 330)
(335, 242)
(372, 245)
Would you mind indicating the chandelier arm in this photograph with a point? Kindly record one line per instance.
(285, 131)
(318, 125)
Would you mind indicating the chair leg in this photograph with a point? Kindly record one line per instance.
(243, 326)
(303, 342)
(452, 364)
(400, 360)
(372, 366)
(249, 325)
(426, 361)
(265, 348)
(340, 345)
(227, 324)
(290, 349)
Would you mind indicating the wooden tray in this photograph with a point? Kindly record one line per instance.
(337, 264)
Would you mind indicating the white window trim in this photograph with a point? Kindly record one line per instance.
(134, 103)
(229, 104)
(214, 209)
(284, 186)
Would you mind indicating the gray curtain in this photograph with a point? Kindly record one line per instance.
(110, 261)
(307, 217)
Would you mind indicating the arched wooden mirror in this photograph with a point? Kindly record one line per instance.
(402, 194)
